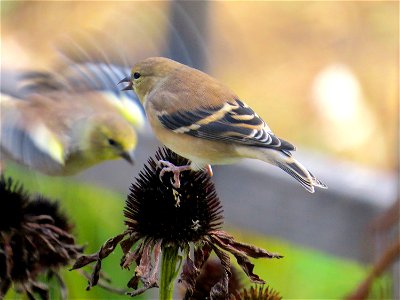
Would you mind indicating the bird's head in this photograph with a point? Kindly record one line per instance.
(110, 137)
(145, 75)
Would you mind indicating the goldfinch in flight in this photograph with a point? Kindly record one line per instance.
(69, 121)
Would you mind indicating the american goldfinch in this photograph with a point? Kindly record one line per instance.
(69, 121)
(201, 119)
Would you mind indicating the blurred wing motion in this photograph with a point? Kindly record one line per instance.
(28, 143)
(86, 77)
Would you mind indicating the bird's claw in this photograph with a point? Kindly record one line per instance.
(166, 166)
(209, 170)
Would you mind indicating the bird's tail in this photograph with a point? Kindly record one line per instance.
(285, 161)
(291, 166)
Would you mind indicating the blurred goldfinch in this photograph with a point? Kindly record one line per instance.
(69, 121)
(202, 120)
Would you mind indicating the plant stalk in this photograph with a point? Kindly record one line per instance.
(169, 271)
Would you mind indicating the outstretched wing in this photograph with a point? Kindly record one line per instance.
(88, 77)
(233, 122)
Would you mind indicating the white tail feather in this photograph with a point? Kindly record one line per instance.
(287, 163)
(294, 168)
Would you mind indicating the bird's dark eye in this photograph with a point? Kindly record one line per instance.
(136, 75)
(112, 142)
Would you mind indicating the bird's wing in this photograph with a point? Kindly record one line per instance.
(88, 77)
(233, 122)
(32, 144)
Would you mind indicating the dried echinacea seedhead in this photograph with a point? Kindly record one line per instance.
(257, 293)
(165, 223)
(211, 273)
(35, 239)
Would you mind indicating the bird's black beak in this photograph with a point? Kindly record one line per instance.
(129, 157)
(129, 86)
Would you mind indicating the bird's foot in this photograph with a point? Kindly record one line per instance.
(166, 166)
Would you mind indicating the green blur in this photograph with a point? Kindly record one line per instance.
(98, 215)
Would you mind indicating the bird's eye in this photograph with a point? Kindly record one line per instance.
(136, 75)
(112, 142)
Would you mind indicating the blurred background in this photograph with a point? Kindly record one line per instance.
(324, 75)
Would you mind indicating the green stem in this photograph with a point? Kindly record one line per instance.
(169, 271)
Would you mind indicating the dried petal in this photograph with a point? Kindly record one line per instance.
(188, 276)
(4, 287)
(201, 254)
(157, 256)
(69, 238)
(144, 266)
(84, 260)
(127, 244)
(220, 290)
(94, 278)
(252, 251)
(223, 257)
(191, 269)
(134, 282)
(128, 258)
(41, 289)
(110, 245)
(241, 258)
(248, 267)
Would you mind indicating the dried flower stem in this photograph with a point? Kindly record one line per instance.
(389, 257)
(169, 271)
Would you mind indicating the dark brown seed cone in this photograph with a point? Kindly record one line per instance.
(190, 217)
(35, 239)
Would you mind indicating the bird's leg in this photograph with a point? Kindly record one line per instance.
(166, 166)
(209, 170)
